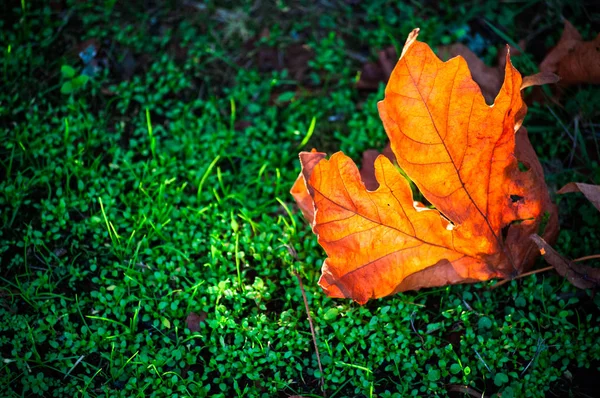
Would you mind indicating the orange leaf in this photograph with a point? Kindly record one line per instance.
(461, 155)
(300, 190)
(489, 78)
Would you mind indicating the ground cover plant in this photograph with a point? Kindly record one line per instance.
(149, 243)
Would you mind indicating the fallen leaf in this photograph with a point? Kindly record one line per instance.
(295, 57)
(373, 73)
(301, 192)
(194, 320)
(581, 276)
(574, 60)
(591, 192)
(461, 155)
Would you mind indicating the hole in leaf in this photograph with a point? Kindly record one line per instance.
(542, 227)
(523, 166)
(515, 198)
(505, 232)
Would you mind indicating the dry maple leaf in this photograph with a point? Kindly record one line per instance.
(574, 60)
(461, 154)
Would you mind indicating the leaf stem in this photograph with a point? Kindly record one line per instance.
(591, 257)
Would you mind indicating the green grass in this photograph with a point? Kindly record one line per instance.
(127, 204)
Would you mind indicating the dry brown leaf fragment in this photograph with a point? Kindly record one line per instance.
(294, 57)
(574, 60)
(591, 192)
(373, 73)
(581, 276)
(194, 320)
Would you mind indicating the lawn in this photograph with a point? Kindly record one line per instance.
(149, 242)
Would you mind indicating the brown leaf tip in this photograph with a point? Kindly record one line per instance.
(412, 37)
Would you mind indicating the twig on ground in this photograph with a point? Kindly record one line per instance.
(412, 324)
(466, 390)
(312, 330)
(74, 365)
(482, 361)
(585, 258)
(540, 347)
(537, 271)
